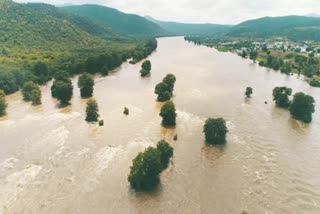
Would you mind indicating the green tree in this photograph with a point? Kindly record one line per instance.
(166, 152)
(249, 92)
(42, 73)
(92, 111)
(281, 96)
(302, 107)
(146, 65)
(36, 96)
(62, 76)
(62, 90)
(253, 55)
(164, 89)
(144, 72)
(86, 83)
(286, 68)
(163, 92)
(215, 131)
(3, 103)
(170, 80)
(168, 114)
(27, 89)
(145, 170)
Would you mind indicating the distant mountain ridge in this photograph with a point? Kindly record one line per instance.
(291, 27)
(185, 29)
(119, 22)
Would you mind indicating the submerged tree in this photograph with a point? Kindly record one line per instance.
(92, 111)
(62, 90)
(164, 89)
(215, 131)
(168, 114)
(41, 72)
(27, 89)
(302, 107)
(36, 96)
(281, 96)
(166, 152)
(86, 83)
(126, 111)
(145, 68)
(145, 170)
(3, 103)
(147, 166)
(249, 92)
(170, 80)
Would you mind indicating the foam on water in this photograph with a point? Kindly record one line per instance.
(104, 158)
(8, 164)
(16, 182)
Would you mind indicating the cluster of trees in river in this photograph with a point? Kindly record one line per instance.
(164, 89)
(148, 165)
(301, 107)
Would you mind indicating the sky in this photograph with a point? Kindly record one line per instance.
(203, 11)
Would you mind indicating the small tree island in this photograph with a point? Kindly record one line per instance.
(168, 114)
(62, 88)
(215, 131)
(302, 107)
(249, 92)
(145, 68)
(86, 83)
(147, 166)
(164, 89)
(92, 111)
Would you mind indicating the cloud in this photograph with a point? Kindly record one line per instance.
(203, 11)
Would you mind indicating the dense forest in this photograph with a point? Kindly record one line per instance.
(37, 40)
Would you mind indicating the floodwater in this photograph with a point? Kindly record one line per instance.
(52, 161)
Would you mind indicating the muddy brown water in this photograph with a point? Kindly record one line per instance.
(52, 161)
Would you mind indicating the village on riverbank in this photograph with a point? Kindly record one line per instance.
(289, 57)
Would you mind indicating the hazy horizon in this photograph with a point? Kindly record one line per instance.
(203, 11)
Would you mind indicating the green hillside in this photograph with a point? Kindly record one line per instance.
(33, 33)
(119, 22)
(291, 27)
(183, 29)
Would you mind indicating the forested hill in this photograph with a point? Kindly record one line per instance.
(184, 29)
(39, 33)
(119, 22)
(291, 27)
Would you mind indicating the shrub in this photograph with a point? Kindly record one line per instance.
(249, 92)
(126, 111)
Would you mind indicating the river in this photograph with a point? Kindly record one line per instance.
(52, 161)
